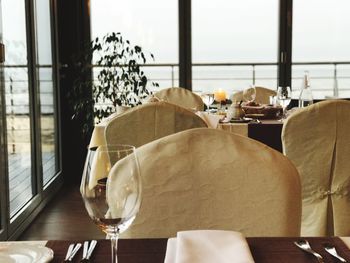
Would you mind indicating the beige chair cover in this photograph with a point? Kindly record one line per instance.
(149, 122)
(182, 97)
(213, 179)
(262, 95)
(317, 140)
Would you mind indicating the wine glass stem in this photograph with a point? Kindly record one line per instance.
(114, 247)
(284, 112)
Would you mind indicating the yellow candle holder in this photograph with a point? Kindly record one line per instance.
(220, 95)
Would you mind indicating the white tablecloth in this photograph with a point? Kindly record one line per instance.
(98, 137)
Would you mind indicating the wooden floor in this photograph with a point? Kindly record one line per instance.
(64, 217)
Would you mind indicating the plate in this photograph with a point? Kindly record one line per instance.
(255, 116)
(25, 253)
(244, 120)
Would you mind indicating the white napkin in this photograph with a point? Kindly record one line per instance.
(212, 120)
(207, 246)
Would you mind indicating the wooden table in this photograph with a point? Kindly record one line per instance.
(269, 250)
(267, 132)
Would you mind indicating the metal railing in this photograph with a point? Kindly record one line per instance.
(172, 78)
(253, 69)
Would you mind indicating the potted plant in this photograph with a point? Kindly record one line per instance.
(118, 79)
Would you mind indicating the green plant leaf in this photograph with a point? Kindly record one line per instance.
(118, 78)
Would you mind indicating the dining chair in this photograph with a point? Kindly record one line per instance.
(148, 122)
(213, 179)
(317, 140)
(182, 97)
(261, 97)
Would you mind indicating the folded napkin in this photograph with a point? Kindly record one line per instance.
(212, 120)
(208, 246)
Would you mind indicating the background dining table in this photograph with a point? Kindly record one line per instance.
(266, 131)
(263, 249)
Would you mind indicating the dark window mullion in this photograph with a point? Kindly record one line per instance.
(34, 93)
(4, 194)
(285, 43)
(55, 73)
(185, 45)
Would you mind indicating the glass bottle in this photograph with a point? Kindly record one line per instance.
(305, 97)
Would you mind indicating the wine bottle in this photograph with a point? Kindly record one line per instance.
(305, 97)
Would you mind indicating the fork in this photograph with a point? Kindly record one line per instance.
(72, 250)
(87, 251)
(331, 250)
(304, 245)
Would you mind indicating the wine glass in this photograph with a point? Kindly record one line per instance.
(284, 96)
(208, 99)
(111, 189)
(249, 94)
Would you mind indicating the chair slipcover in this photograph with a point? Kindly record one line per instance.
(149, 122)
(262, 95)
(213, 179)
(317, 140)
(182, 97)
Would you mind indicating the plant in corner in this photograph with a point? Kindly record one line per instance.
(118, 79)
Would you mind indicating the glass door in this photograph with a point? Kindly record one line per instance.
(46, 81)
(19, 113)
(29, 120)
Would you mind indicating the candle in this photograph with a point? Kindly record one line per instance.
(220, 95)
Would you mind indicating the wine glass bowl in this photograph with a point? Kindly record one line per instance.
(111, 189)
(249, 94)
(208, 99)
(284, 97)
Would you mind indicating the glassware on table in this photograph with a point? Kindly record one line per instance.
(111, 189)
(208, 99)
(305, 96)
(249, 94)
(284, 96)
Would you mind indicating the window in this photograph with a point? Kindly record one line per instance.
(18, 112)
(45, 81)
(152, 24)
(29, 155)
(234, 44)
(320, 46)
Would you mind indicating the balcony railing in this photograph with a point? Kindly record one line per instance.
(321, 72)
(237, 75)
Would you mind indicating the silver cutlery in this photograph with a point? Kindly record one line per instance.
(72, 250)
(305, 246)
(87, 251)
(331, 250)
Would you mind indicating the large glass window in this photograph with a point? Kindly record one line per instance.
(28, 119)
(321, 46)
(152, 24)
(44, 75)
(17, 105)
(240, 37)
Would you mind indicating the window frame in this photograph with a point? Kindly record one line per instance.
(284, 43)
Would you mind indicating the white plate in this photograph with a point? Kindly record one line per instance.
(24, 253)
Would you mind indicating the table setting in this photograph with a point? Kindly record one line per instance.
(251, 249)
